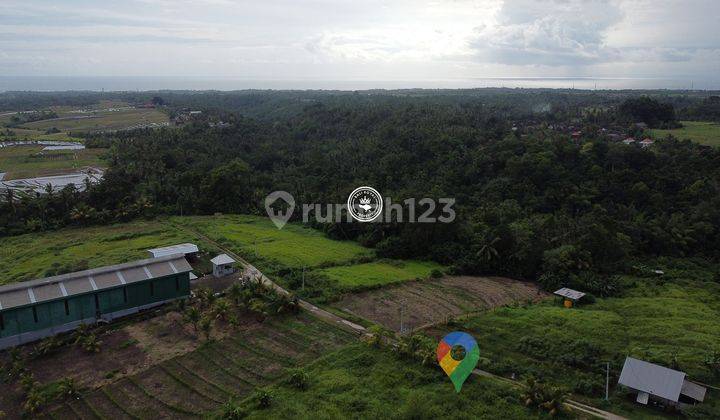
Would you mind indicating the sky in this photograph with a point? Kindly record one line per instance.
(363, 39)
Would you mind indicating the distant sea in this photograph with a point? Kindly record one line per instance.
(57, 83)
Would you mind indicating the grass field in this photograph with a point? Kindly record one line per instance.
(671, 322)
(27, 162)
(30, 256)
(359, 382)
(379, 273)
(343, 265)
(101, 120)
(707, 133)
(293, 246)
(24, 134)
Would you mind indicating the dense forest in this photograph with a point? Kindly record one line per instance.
(531, 202)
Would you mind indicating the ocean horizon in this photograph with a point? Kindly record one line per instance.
(141, 83)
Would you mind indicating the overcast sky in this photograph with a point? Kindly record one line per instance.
(362, 39)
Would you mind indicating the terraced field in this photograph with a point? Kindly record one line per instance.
(101, 120)
(196, 383)
(428, 301)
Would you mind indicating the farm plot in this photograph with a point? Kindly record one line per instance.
(703, 132)
(198, 382)
(27, 161)
(379, 273)
(25, 134)
(259, 240)
(429, 301)
(35, 255)
(102, 120)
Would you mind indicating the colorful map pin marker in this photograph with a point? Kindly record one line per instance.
(458, 354)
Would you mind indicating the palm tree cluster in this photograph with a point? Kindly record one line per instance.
(254, 296)
(418, 347)
(544, 397)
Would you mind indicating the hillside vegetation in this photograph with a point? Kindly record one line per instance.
(670, 320)
(360, 382)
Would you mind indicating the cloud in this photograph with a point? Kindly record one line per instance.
(548, 32)
(583, 33)
(369, 39)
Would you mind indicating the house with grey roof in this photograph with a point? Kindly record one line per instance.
(658, 384)
(570, 296)
(189, 250)
(223, 265)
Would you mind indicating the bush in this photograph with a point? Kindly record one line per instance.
(87, 340)
(602, 285)
(551, 281)
(436, 274)
(299, 379)
(264, 398)
(47, 346)
(231, 410)
(589, 298)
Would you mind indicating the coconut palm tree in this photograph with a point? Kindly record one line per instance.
(221, 309)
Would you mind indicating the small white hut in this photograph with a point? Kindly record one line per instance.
(223, 265)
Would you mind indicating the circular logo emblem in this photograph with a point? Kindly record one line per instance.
(365, 204)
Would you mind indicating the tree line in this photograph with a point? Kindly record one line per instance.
(528, 206)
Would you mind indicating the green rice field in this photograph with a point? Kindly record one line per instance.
(292, 246)
(254, 237)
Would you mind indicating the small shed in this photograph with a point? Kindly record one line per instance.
(659, 384)
(190, 251)
(223, 265)
(570, 296)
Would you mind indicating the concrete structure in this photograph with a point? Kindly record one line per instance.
(41, 308)
(188, 250)
(659, 384)
(570, 296)
(69, 146)
(223, 265)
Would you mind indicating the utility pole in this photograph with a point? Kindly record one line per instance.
(607, 380)
(303, 277)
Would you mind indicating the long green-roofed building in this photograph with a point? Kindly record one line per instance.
(40, 308)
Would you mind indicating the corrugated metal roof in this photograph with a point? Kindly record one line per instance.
(222, 259)
(186, 248)
(693, 390)
(569, 293)
(56, 287)
(651, 378)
